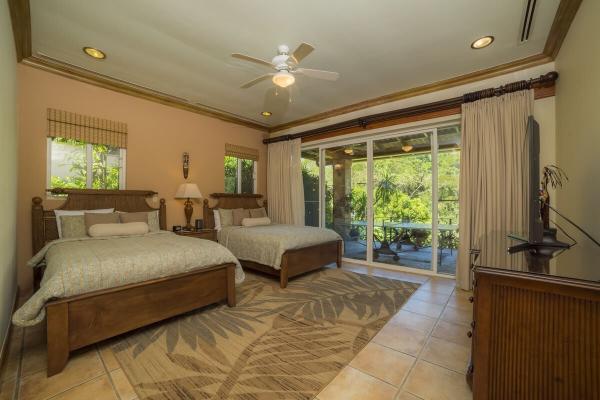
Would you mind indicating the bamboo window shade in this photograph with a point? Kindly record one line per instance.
(86, 129)
(245, 153)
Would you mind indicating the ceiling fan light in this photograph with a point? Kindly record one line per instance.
(406, 148)
(283, 79)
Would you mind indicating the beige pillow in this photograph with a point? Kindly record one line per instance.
(118, 229)
(256, 221)
(258, 212)
(73, 226)
(239, 214)
(226, 216)
(92, 219)
(127, 217)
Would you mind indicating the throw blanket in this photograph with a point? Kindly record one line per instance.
(82, 265)
(266, 244)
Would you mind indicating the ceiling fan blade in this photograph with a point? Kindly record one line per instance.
(252, 59)
(301, 52)
(319, 74)
(255, 81)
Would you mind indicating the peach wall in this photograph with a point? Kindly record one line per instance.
(158, 135)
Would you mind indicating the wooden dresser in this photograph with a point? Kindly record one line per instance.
(536, 325)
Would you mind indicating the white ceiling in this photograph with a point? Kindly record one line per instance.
(183, 47)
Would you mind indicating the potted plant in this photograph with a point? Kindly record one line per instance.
(551, 176)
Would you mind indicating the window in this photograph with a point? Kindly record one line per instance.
(392, 197)
(310, 179)
(240, 175)
(79, 165)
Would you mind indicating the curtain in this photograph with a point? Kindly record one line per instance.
(86, 129)
(493, 175)
(285, 191)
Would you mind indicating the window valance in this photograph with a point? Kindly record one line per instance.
(246, 153)
(87, 129)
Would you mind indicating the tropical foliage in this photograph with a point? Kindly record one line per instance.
(402, 191)
(231, 172)
(105, 171)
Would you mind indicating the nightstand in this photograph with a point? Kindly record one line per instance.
(208, 234)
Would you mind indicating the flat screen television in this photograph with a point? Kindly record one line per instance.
(535, 237)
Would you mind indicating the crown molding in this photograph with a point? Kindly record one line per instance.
(21, 23)
(502, 69)
(83, 75)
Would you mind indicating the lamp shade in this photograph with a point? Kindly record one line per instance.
(188, 191)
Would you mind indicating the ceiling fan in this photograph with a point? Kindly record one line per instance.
(286, 65)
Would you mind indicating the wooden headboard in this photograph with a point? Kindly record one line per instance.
(228, 201)
(43, 222)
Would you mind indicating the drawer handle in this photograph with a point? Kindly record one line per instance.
(469, 334)
(471, 299)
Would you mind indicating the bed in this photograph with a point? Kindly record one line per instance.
(79, 320)
(292, 262)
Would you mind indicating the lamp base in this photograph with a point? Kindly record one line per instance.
(189, 210)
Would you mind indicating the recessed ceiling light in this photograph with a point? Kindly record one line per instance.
(266, 113)
(94, 53)
(482, 42)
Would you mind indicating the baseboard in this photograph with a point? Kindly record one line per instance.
(8, 329)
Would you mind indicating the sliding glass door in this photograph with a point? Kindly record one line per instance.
(392, 197)
(402, 207)
(345, 196)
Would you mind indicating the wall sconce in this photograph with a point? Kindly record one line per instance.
(186, 164)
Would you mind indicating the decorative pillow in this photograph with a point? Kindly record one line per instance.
(153, 221)
(258, 212)
(72, 226)
(217, 217)
(118, 229)
(226, 216)
(95, 219)
(60, 213)
(256, 221)
(239, 214)
(127, 217)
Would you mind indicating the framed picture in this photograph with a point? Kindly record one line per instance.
(199, 224)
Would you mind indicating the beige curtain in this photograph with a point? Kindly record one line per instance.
(493, 174)
(285, 191)
(86, 129)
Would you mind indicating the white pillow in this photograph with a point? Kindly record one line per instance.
(126, 229)
(217, 220)
(60, 213)
(256, 221)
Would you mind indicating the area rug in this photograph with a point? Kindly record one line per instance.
(275, 344)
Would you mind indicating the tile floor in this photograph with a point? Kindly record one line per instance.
(421, 353)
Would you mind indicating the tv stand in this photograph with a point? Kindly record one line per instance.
(547, 247)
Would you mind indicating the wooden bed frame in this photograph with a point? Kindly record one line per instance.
(78, 321)
(293, 262)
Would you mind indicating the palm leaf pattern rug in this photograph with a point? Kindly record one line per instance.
(275, 344)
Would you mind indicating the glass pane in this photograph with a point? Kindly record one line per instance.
(448, 174)
(346, 196)
(247, 176)
(68, 164)
(105, 167)
(402, 201)
(310, 179)
(230, 174)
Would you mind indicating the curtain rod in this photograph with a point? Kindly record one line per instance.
(442, 105)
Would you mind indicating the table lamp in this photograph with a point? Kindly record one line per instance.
(188, 191)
